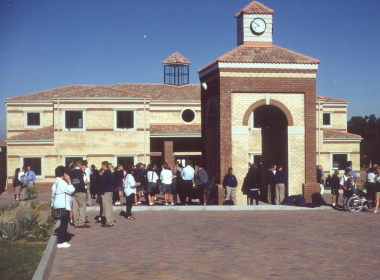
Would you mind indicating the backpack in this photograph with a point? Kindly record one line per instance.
(24, 180)
(75, 181)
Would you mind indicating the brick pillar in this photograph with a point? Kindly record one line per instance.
(221, 194)
(309, 189)
(168, 153)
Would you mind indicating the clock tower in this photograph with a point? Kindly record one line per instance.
(255, 25)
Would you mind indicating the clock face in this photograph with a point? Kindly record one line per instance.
(258, 26)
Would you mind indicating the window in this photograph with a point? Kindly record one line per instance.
(74, 159)
(339, 161)
(254, 122)
(257, 159)
(188, 116)
(327, 119)
(125, 119)
(73, 119)
(33, 119)
(125, 161)
(35, 165)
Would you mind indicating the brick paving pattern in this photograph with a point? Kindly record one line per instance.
(225, 245)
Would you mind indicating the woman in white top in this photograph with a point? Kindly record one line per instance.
(62, 191)
(152, 184)
(370, 184)
(130, 191)
(166, 181)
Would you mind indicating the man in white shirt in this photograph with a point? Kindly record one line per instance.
(166, 180)
(88, 174)
(187, 175)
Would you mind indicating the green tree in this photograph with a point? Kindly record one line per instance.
(369, 129)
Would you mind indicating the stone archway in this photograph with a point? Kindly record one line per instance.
(264, 102)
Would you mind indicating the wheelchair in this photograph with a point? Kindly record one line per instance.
(356, 201)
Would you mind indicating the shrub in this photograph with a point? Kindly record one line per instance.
(31, 192)
(11, 231)
(40, 230)
(27, 221)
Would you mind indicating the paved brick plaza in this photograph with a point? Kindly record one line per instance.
(225, 245)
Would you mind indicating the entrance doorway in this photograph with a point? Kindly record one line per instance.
(274, 143)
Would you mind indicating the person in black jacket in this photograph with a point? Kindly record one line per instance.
(271, 183)
(280, 185)
(94, 178)
(106, 191)
(79, 196)
(251, 181)
(335, 185)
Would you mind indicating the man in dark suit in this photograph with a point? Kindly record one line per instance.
(106, 191)
(271, 182)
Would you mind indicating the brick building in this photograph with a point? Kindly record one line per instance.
(256, 103)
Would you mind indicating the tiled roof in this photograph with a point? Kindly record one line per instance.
(164, 92)
(176, 58)
(272, 54)
(102, 92)
(254, 8)
(331, 99)
(2, 143)
(46, 95)
(336, 134)
(175, 129)
(46, 133)
(190, 92)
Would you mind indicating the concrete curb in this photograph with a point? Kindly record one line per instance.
(211, 208)
(46, 262)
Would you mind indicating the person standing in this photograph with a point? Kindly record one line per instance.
(166, 181)
(138, 175)
(94, 180)
(62, 191)
(280, 185)
(79, 201)
(251, 184)
(230, 183)
(345, 185)
(88, 185)
(200, 180)
(335, 188)
(17, 184)
(31, 176)
(320, 176)
(175, 181)
(130, 186)
(152, 184)
(187, 175)
(106, 191)
(118, 176)
(271, 183)
(353, 173)
(371, 183)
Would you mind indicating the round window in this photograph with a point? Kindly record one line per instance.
(188, 115)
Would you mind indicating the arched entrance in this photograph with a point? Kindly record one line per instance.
(274, 138)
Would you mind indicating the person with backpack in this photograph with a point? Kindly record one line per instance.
(201, 179)
(79, 197)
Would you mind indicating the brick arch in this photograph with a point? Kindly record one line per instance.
(262, 102)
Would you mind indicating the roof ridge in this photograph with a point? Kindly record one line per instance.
(255, 8)
(176, 58)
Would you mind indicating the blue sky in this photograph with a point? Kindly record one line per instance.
(53, 43)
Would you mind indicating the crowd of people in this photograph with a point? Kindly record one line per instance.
(24, 177)
(76, 185)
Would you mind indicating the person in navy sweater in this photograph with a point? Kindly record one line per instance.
(106, 191)
(230, 183)
(280, 185)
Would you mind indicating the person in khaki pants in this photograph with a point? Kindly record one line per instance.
(106, 191)
(280, 185)
(79, 196)
(230, 183)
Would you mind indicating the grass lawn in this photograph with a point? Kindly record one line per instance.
(19, 260)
